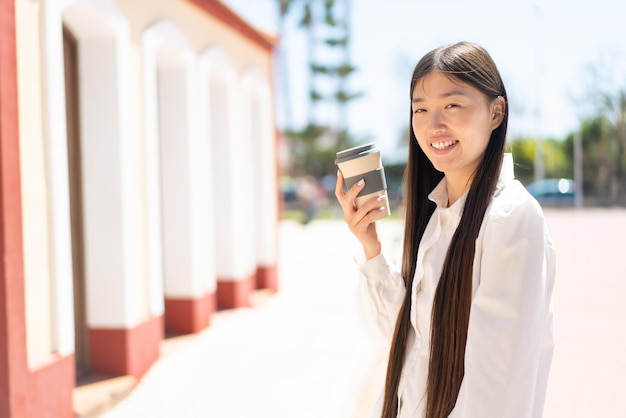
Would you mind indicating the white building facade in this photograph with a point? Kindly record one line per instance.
(140, 184)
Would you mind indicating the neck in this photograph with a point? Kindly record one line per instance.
(457, 186)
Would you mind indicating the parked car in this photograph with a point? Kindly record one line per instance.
(553, 192)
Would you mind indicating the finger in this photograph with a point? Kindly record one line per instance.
(367, 213)
(346, 200)
(364, 228)
(346, 204)
(340, 185)
(352, 193)
(361, 224)
(373, 207)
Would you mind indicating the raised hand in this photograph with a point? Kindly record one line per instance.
(362, 220)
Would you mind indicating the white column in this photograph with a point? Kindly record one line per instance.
(243, 191)
(110, 183)
(201, 185)
(234, 180)
(176, 194)
(185, 175)
(152, 156)
(260, 133)
(55, 134)
(46, 324)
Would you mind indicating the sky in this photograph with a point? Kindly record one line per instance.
(543, 49)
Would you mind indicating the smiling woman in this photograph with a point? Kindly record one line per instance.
(468, 314)
(452, 122)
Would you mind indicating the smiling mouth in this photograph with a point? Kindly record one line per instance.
(443, 144)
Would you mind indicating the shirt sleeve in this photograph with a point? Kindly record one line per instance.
(380, 295)
(509, 343)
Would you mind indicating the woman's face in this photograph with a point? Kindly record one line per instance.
(452, 122)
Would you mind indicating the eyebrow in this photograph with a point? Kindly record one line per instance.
(418, 99)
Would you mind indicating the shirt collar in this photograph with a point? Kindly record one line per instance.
(507, 173)
(439, 195)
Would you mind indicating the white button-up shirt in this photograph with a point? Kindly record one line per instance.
(510, 340)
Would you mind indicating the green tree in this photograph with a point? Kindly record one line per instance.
(327, 27)
(523, 150)
(604, 133)
(600, 164)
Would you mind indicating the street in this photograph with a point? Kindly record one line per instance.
(302, 353)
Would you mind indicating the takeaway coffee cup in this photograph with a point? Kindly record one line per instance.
(363, 162)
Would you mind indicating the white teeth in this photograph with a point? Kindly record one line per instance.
(444, 144)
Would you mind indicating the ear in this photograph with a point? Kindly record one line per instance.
(498, 106)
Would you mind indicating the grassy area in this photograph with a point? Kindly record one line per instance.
(298, 215)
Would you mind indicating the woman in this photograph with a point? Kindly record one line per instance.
(469, 314)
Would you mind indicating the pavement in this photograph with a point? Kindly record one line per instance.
(303, 353)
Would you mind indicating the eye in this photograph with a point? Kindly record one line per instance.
(419, 110)
(452, 106)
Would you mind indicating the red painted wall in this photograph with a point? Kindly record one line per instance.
(13, 380)
(220, 11)
(47, 391)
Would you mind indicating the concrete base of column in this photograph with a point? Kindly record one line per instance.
(50, 389)
(233, 293)
(187, 316)
(126, 351)
(267, 278)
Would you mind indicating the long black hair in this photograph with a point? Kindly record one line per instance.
(471, 64)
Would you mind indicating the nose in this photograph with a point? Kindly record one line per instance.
(436, 122)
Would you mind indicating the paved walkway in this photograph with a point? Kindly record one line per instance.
(301, 353)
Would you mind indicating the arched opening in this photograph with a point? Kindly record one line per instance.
(81, 335)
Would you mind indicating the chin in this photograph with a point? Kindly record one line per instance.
(439, 168)
(440, 165)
